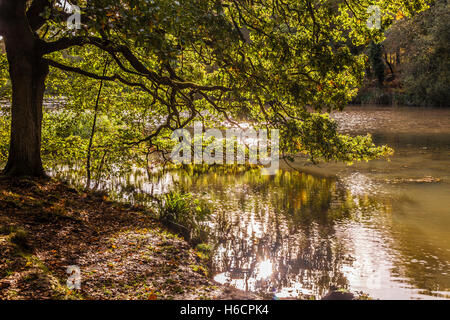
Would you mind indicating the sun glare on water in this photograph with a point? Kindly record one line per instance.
(265, 269)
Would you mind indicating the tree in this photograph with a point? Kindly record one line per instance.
(425, 41)
(376, 61)
(268, 58)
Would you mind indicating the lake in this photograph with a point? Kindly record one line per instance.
(381, 227)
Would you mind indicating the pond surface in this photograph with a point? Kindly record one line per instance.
(379, 227)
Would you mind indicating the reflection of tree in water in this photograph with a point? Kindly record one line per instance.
(282, 223)
(273, 233)
(286, 223)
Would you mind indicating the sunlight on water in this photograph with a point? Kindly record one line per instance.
(381, 228)
(265, 269)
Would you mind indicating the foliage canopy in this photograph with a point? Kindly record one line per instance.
(272, 63)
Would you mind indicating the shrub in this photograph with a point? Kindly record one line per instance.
(186, 215)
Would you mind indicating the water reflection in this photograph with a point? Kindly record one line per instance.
(276, 234)
(362, 228)
(295, 235)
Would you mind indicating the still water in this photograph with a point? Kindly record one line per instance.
(381, 227)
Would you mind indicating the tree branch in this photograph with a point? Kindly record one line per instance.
(112, 49)
(35, 20)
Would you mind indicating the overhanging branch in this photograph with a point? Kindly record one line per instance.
(138, 66)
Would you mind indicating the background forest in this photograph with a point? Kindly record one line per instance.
(412, 66)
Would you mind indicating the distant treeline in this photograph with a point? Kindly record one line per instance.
(412, 66)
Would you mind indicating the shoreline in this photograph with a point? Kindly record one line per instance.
(121, 250)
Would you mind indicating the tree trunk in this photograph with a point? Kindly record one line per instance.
(28, 72)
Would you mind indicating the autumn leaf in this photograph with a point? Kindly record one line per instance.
(399, 15)
(152, 296)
